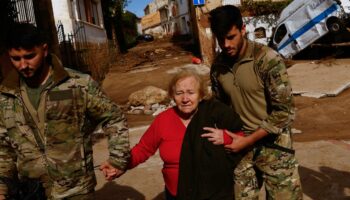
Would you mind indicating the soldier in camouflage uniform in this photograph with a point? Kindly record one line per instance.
(252, 78)
(47, 115)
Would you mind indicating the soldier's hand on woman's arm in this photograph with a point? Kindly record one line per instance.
(2, 197)
(239, 142)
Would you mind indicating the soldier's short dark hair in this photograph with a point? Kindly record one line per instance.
(24, 35)
(223, 18)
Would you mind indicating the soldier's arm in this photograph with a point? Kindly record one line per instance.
(113, 122)
(279, 101)
(279, 95)
(7, 159)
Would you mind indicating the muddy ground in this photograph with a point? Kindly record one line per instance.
(324, 163)
(147, 63)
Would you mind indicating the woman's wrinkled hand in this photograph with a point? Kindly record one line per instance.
(214, 135)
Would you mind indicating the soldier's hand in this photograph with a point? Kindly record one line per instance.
(239, 142)
(110, 172)
(3, 191)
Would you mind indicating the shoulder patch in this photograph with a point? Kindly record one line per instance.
(60, 95)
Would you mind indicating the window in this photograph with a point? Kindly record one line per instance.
(95, 17)
(260, 32)
(280, 33)
(88, 11)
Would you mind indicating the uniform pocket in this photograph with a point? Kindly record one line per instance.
(60, 105)
(64, 160)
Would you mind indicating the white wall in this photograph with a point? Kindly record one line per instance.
(231, 2)
(156, 4)
(61, 12)
(94, 34)
(139, 28)
(67, 11)
(183, 13)
(155, 31)
(183, 7)
(180, 19)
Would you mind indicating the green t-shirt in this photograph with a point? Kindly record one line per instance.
(35, 93)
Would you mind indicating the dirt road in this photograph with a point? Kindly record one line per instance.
(147, 64)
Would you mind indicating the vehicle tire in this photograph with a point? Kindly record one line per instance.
(334, 25)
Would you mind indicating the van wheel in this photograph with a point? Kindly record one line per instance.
(334, 25)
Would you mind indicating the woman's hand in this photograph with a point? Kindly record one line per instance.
(214, 135)
(110, 172)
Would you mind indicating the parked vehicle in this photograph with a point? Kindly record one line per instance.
(303, 22)
(145, 37)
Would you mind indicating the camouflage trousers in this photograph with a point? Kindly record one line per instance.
(88, 196)
(278, 171)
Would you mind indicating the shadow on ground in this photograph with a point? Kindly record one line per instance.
(113, 191)
(160, 196)
(327, 183)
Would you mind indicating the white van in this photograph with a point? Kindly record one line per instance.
(302, 22)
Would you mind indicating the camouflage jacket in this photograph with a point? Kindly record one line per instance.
(55, 146)
(257, 87)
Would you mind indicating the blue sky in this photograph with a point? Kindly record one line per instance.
(137, 6)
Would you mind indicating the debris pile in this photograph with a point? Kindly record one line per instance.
(149, 100)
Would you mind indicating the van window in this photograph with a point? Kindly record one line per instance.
(280, 33)
(260, 32)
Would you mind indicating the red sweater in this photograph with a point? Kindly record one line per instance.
(166, 133)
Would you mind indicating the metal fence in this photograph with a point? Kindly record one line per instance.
(74, 47)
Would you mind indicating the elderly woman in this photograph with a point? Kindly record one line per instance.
(194, 168)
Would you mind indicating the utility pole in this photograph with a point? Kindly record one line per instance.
(201, 29)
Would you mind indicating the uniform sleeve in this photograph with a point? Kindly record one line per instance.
(113, 122)
(7, 159)
(279, 95)
(146, 147)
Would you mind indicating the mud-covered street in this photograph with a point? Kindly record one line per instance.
(321, 142)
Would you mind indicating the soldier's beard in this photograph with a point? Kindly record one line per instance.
(34, 78)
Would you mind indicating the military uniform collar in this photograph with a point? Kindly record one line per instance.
(12, 84)
(248, 54)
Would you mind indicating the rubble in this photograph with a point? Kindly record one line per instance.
(148, 96)
(149, 101)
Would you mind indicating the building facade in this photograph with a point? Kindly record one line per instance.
(82, 36)
(167, 17)
(81, 15)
